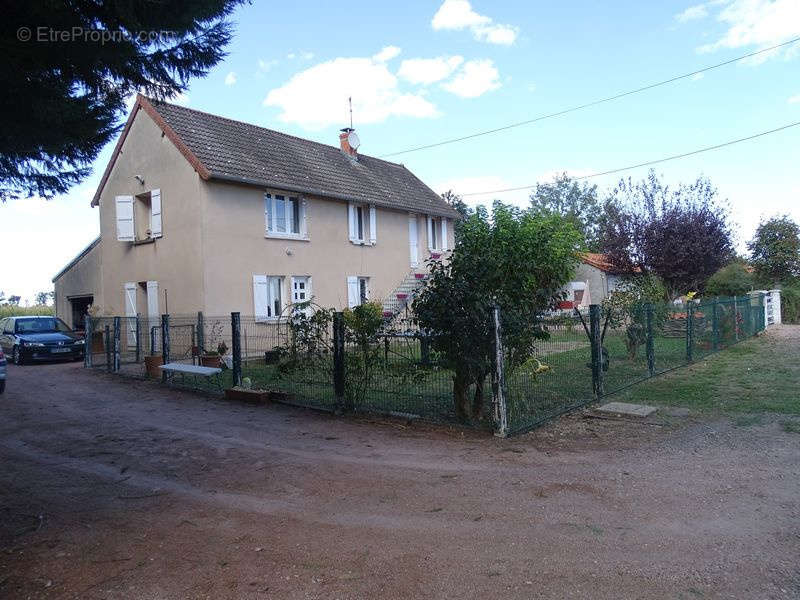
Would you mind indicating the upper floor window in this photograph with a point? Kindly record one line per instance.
(285, 216)
(362, 223)
(437, 233)
(139, 217)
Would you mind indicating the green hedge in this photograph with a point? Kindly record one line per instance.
(790, 304)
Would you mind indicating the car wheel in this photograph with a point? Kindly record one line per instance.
(16, 356)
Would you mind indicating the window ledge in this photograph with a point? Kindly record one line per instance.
(362, 243)
(287, 236)
(144, 241)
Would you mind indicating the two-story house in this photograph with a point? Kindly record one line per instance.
(203, 213)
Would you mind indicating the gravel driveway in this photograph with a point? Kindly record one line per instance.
(114, 488)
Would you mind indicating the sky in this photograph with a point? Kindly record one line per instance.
(420, 72)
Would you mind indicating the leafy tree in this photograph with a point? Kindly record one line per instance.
(518, 260)
(625, 307)
(575, 201)
(68, 68)
(43, 298)
(456, 202)
(14, 300)
(775, 250)
(682, 235)
(734, 279)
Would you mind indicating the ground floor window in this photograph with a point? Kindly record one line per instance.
(267, 296)
(357, 290)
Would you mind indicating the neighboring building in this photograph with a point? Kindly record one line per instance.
(595, 278)
(77, 286)
(203, 213)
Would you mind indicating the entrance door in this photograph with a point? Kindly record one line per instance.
(130, 314)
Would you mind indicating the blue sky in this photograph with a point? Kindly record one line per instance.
(420, 72)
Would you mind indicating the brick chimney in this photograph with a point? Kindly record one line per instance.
(344, 143)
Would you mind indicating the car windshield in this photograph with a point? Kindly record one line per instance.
(41, 325)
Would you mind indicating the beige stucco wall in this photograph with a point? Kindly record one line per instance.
(173, 260)
(82, 279)
(236, 249)
(596, 281)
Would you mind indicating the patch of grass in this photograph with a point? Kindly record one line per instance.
(760, 375)
(9, 310)
(748, 420)
(790, 426)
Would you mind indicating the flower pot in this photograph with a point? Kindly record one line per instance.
(245, 395)
(151, 364)
(97, 343)
(211, 360)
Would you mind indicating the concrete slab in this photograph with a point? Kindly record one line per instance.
(676, 412)
(630, 410)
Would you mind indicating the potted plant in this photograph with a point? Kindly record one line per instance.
(152, 364)
(246, 393)
(213, 358)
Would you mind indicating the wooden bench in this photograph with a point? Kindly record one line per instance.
(193, 370)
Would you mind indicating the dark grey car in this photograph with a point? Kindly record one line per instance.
(39, 338)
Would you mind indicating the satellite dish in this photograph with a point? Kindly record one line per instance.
(353, 140)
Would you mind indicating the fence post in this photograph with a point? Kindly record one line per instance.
(425, 349)
(87, 342)
(152, 337)
(164, 344)
(651, 353)
(108, 348)
(690, 332)
(735, 320)
(201, 332)
(499, 378)
(116, 343)
(714, 326)
(138, 339)
(597, 350)
(338, 358)
(236, 343)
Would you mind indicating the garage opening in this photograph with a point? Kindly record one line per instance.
(80, 306)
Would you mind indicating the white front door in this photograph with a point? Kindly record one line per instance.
(413, 240)
(301, 289)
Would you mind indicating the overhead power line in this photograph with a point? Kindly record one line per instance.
(593, 103)
(648, 163)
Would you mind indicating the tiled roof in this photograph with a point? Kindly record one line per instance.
(236, 151)
(602, 262)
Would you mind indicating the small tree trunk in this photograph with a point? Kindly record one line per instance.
(477, 399)
(460, 399)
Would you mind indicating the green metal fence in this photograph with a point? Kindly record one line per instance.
(584, 358)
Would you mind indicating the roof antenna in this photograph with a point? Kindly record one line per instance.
(350, 100)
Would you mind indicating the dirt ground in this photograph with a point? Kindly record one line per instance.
(113, 488)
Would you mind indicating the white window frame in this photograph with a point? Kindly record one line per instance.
(437, 234)
(354, 296)
(296, 279)
(273, 284)
(292, 205)
(363, 216)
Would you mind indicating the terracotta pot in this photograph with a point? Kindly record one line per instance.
(151, 364)
(211, 360)
(97, 343)
(251, 396)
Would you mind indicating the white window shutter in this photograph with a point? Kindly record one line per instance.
(125, 230)
(413, 241)
(430, 232)
(155, 214)
(260, 297)
(130, 311)
(152, 299)
(444, 234)
(353, 295)
(351, 219)
(268, 225)
(303, 229)
(373, 232)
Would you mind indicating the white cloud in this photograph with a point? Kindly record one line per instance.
(386, 54)
(317, 97)
(794, 100)
(697, 76)
(266, 65)
(428, 70)
(458, 15)
(182, 99)
(290, 56)
(475, 78)
(306, 55)
(230, 78)
(698, 11)
(757, 23)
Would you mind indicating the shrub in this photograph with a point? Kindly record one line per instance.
(790, 303)
(731, 280)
